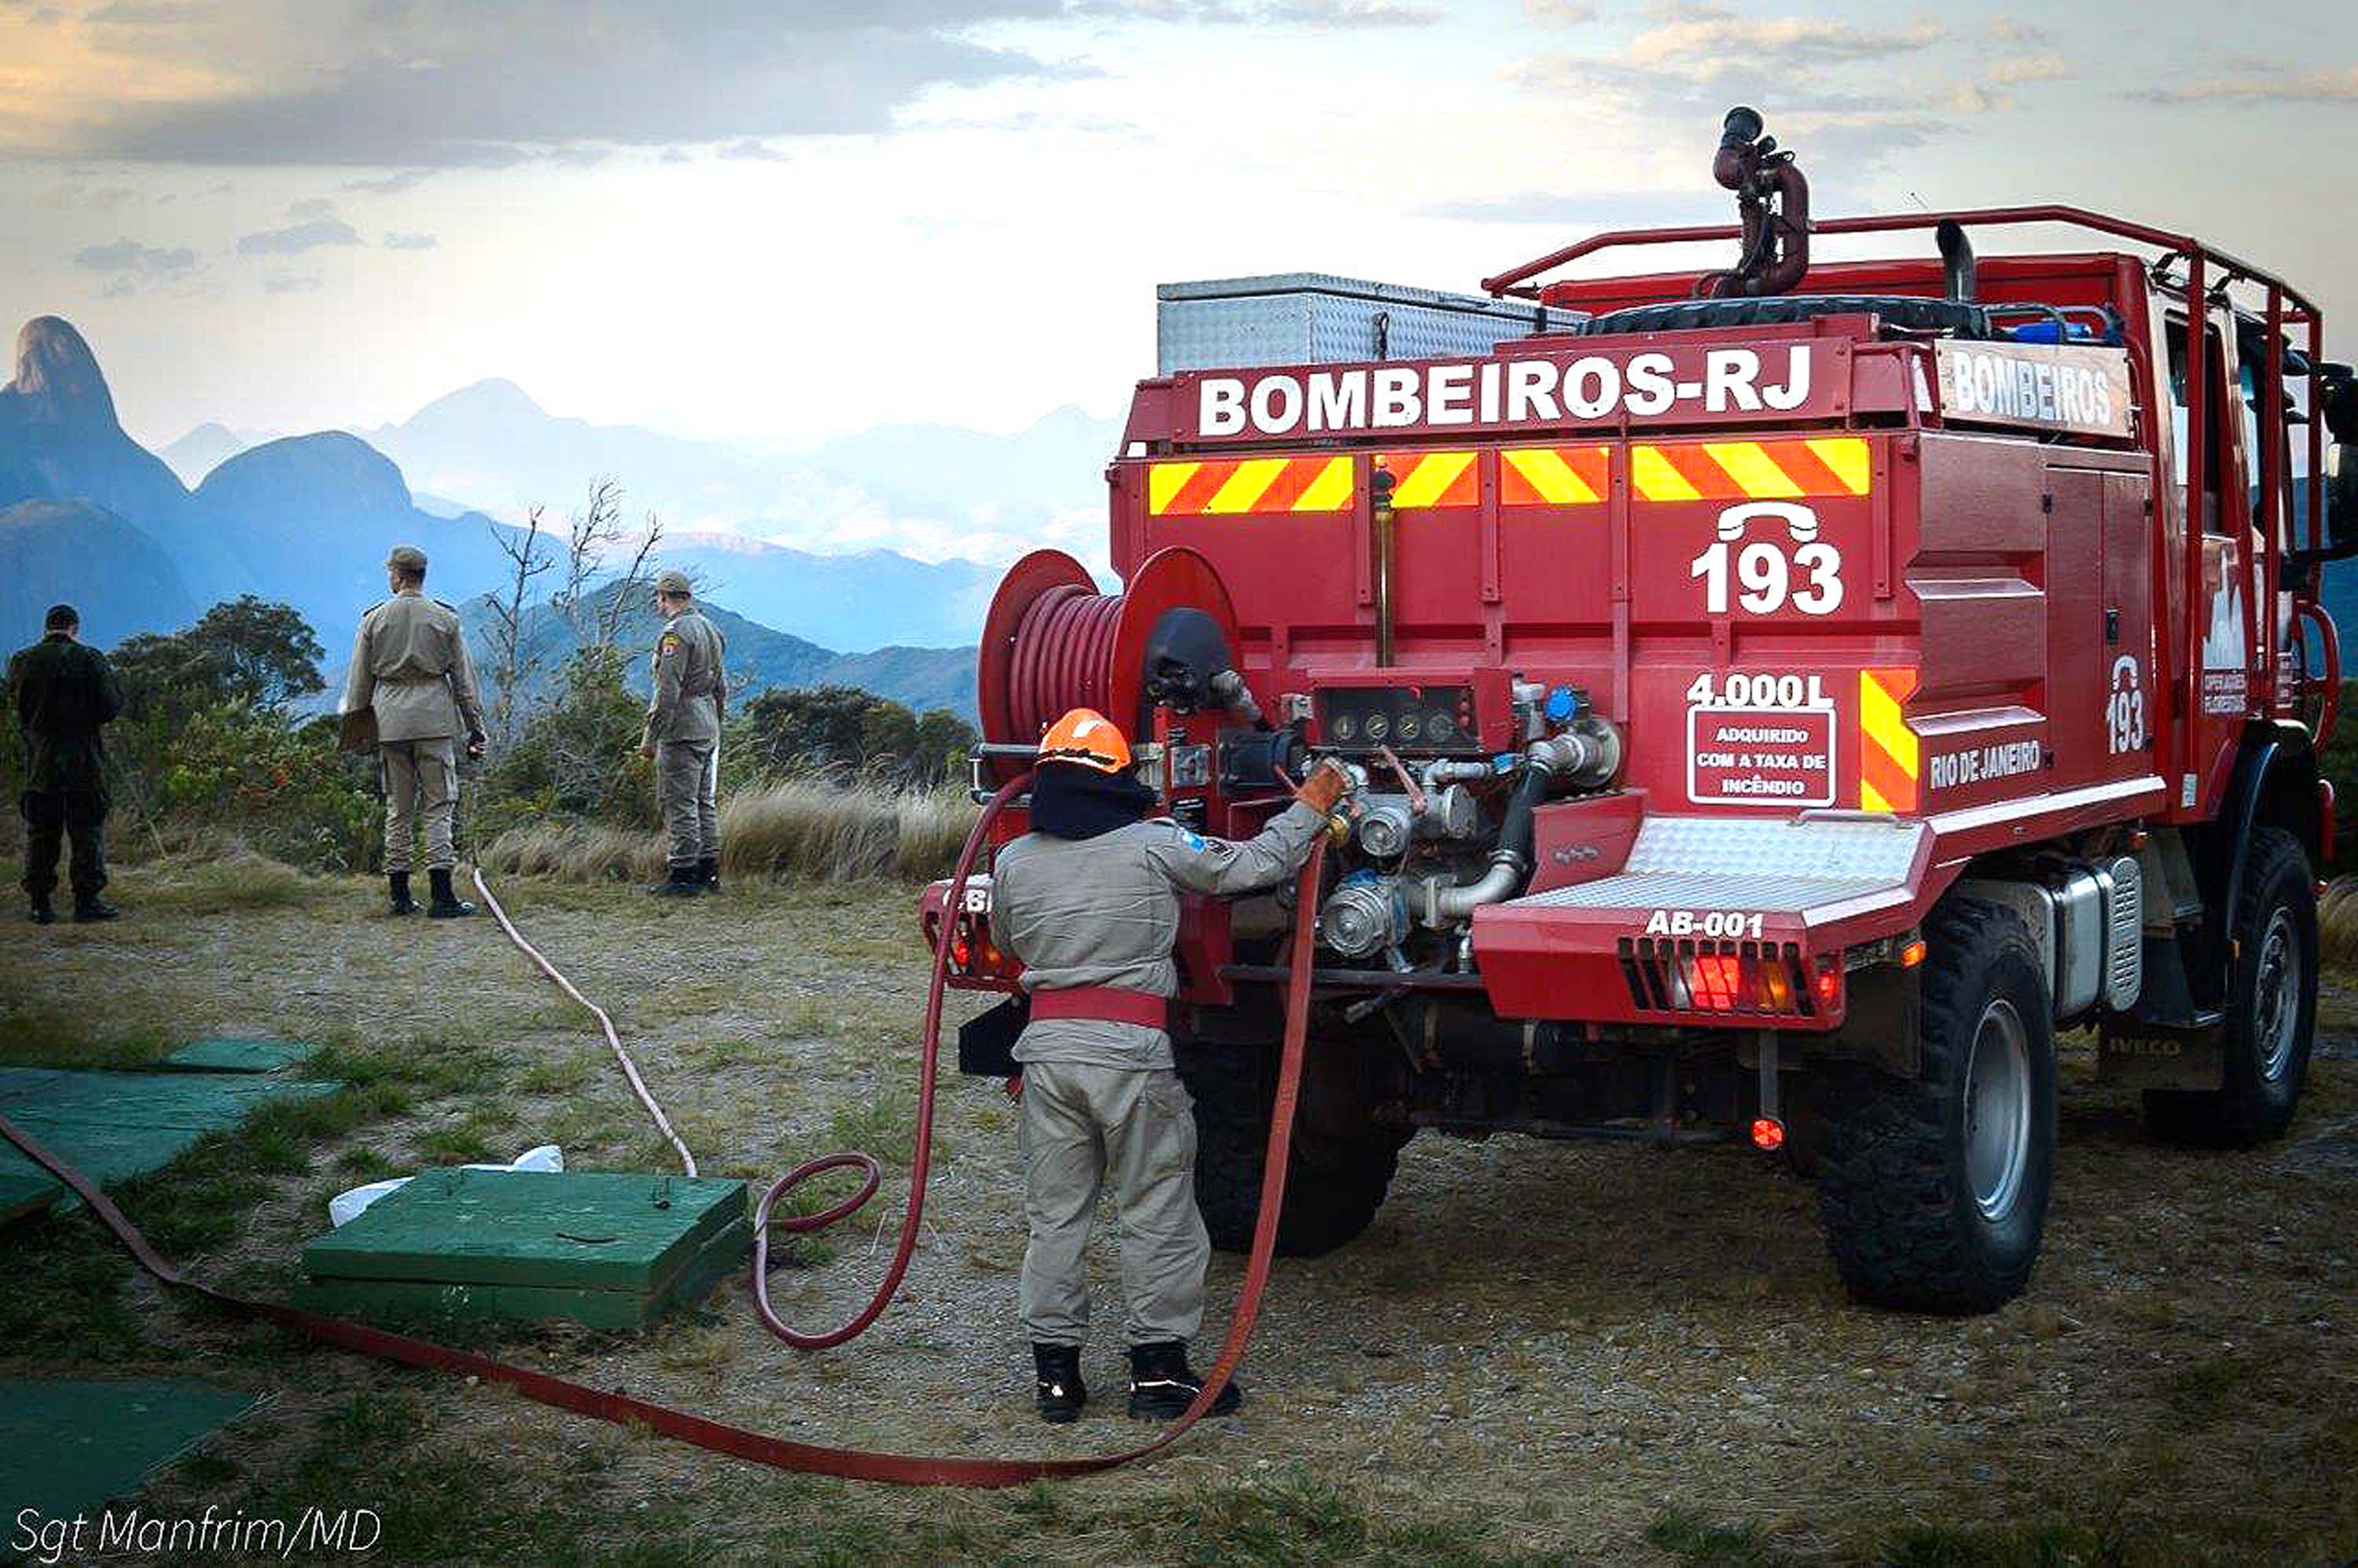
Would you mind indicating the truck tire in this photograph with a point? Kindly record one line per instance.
(1332, 1185)
(2271, 1011)
(1913, 312)
(1933, 1189)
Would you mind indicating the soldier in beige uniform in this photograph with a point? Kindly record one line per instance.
(410, 668)
(684, 738)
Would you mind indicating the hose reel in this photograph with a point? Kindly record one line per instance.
(1052, 642)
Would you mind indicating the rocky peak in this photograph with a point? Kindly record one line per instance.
(57, 380)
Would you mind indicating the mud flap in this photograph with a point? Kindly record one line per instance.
(2168, 1042)
(1884, 1022)
(2134, 1054)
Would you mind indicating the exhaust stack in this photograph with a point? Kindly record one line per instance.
(1956, 260)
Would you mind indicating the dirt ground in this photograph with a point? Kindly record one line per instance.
(1539, 1352)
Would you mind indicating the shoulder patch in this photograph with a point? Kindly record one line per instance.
(667, 644)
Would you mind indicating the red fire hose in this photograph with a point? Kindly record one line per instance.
(760, 1447)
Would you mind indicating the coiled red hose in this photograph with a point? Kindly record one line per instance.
(1064, 658)
(921, 1159)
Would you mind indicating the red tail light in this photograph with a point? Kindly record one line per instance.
(1754, 977)
(1767, 1133)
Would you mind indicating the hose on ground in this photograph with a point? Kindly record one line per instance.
(614, 1041)
(761, 1447)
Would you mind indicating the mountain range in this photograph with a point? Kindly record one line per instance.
(89, 515)
(758, 657)
(778, 535)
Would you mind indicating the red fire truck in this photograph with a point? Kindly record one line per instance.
(1781, 701)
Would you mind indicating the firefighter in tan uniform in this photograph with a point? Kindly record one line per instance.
(684, 738)
(410, 666)
(1088, 900)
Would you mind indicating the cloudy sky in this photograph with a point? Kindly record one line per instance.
(779, 220)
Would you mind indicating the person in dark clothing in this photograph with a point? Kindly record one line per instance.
(64, 693)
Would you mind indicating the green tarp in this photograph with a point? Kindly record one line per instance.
(115, 1125)
(228, 1055)
(67, 1447)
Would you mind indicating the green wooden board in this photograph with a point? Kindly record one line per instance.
(115, 1125)
(597, 1230)
(424, 1302)
(67, 1447)
(24, 1189)
(228, 1055)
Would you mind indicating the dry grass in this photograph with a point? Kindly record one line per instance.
(801, 830)
(2337, 924)
(238, 879)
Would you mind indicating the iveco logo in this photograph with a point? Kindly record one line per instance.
(1572, 854)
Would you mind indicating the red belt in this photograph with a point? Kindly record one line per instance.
(1103, 1005)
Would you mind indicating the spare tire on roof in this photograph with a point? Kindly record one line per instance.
(1913, 312)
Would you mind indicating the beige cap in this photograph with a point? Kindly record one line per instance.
(673, 582)
(406, 558)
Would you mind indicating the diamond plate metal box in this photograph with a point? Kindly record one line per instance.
(1315, 317)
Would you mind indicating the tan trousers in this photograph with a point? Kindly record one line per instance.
(1082, 1124)
(687, 779)
(421, 779)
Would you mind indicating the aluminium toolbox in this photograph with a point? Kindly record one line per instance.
(610, 1249)
(1315, 317)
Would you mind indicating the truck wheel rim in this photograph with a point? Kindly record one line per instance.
(2277, 996)
(1997, 1109)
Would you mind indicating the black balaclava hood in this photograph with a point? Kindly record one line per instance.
(1069, 801)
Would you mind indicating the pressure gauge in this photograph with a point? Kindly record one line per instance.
(1439, 727)
(1380, 725)
(1411, 727)
(1343, 727)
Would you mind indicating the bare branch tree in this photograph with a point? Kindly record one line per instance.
(590, 532)
(629, 586)
(512, 665)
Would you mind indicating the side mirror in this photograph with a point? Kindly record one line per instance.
(2341, 533)
(2334, 537)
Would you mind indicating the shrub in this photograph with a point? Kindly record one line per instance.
(797, 731)
(286, 790)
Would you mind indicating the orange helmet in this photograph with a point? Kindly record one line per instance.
(1088, 739)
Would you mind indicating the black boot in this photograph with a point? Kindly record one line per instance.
(40, 912)
(708, 873)
(445, 905)
(398, 901)
(1162, 1386)
(93, 907)
(1061, 1393)
(683, 882)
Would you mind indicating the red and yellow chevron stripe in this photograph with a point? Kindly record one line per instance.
(1426, 480)
(1553, 476)
(1889, 754)
(1751, 470)
(1243, 485)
